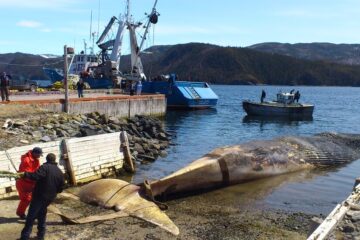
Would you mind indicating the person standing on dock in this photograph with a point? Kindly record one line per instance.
(5, 84)
(29, 163)
(138, 87)
(80, 85)
(263, 95)
(297, 96)
(49, 182)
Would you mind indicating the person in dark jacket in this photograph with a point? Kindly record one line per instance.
(4, 87)
(80, 85)
(297, 96)
(263, 95)
(49, 182)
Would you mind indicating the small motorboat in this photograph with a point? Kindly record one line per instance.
(284, 106)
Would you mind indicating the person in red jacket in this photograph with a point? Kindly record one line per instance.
(29, 163)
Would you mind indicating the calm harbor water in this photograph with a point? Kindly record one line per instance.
(198, 132)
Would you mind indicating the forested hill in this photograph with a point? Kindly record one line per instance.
(338, 53)
(215, 64)
(230, 65)
(22, 65)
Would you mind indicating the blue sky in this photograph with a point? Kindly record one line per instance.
(45, 26)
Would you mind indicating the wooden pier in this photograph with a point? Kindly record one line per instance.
(113, 104)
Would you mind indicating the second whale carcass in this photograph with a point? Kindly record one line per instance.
(258, 159)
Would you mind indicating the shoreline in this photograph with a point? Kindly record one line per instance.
(203, 216)
(197, 217)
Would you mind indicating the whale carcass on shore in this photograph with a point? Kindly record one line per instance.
(258, 159)
(222, 167)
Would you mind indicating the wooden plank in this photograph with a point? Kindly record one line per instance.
(7, 195)
(7, 184)
(95, 138)
(119, 161)
(80, 170)
(69, 165)
(24, 149)
(76, 147)
(336, 215)
(96, 159)
(95, 152)
(129, 164)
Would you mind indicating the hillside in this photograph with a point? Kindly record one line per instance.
(214, 64)
(230, 65)
(338, 53)
(21, 65)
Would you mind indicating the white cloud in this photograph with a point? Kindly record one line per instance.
(45, 30)
(36, 3)
(29, 24)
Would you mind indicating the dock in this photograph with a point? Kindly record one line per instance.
(110, 102)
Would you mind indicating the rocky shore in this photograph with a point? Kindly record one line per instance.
(147, 138)
(349, 227)
(206, 216)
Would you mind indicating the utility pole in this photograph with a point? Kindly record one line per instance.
(66, 105)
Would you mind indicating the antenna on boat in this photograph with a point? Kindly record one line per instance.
(90, 25)
(135, 49)
(98, 30)
(153, 18)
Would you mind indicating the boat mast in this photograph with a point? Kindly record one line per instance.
(153, 11)
(123, 22)
(136, 64)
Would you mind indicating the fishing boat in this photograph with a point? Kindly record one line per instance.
(103, 70)
(284, 106)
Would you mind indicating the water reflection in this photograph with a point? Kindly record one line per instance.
(251, 194)
(279, 120)
(177, 117)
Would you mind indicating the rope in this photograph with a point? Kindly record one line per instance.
(6, 174)
(11, 161)
(121, 188)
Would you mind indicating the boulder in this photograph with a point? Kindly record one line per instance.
(104, 119)
(114, 120)
(48, 126)
(45, 139)
(91, 121)
(163, 154)
(19, 123)
(138, 148)
(36, 134)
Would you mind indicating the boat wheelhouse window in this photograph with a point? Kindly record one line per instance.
(80, 67)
